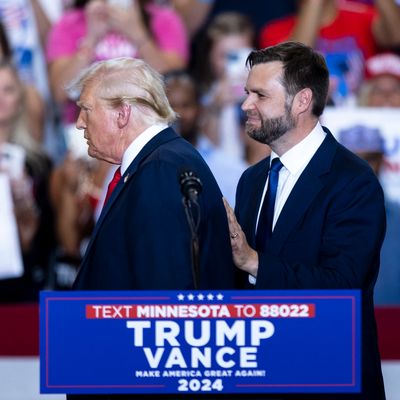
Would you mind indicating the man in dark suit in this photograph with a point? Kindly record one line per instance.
(142, 239)
(328, 219)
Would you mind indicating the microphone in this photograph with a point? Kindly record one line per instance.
(191, 185)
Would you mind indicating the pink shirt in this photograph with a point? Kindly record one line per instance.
(166, 26)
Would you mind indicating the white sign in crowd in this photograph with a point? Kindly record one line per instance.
(387, 121)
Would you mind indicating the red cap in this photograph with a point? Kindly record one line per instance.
(382, 64)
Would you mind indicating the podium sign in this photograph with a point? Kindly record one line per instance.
(203, 342)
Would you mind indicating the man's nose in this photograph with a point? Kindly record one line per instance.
(247, 104)
(80, 124)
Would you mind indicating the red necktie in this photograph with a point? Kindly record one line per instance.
(112, 184)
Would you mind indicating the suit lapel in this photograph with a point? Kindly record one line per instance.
(163, 137)
(255, 196)
(304, 192)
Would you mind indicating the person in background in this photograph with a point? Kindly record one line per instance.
(98, 30)
(26, 26)
(28, 187)
(194, 13)
(53, 9)
(34, 100)
(76, 187)
(345, 32)
(381, 87)
(229, 39)
(368, 144)
(184, 99)
(305, 214)
(142, 239)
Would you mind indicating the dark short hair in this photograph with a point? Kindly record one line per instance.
(303, 67)
(183, 76)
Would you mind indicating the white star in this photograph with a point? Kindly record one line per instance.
(181, 297)
(210, 296)
(190, 296)
(220, 296)
(200, 296)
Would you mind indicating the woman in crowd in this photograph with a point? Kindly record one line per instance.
(35, 105)
(221, 76)
(28, 181)
(76, 187)
(97, 29)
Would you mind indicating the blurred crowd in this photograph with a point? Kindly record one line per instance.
(200, 47)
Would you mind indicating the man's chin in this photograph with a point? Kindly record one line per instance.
(257, 135)
(252, 131)
(253, 124)
(91, 153)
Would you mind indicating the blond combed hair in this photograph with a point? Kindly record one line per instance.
(128, 81)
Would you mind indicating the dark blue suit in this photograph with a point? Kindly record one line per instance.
(142, 239)
(328, 236)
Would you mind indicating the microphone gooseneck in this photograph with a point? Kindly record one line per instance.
(191, 187)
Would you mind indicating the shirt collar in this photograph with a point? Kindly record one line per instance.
(301, 154)
(137, 145)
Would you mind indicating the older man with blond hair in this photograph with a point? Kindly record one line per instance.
(142, 240)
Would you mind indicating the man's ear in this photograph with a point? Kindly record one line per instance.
(124, 113)
(303, 101)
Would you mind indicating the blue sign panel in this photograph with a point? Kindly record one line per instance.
(200, 342)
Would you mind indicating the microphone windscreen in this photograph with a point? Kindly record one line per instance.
(189, 181)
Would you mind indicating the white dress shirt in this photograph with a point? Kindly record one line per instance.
(137, 145)
(294, 162)
(130, 154)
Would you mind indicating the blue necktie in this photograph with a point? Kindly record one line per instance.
(264, 228)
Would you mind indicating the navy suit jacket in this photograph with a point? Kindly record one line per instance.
(142, 239)
(328, 236)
